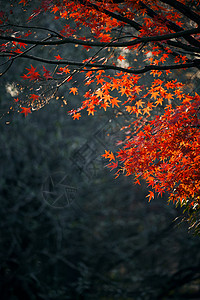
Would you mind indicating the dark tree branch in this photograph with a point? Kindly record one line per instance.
(170, 25)
(185, 10)
(23, 53)
(53, 32)
(164, 37)
(8, 67)
(138, 27)
(193, 64)
(183, 46)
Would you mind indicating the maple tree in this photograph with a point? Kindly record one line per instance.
(135, 51)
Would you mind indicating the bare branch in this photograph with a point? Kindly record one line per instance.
(21, 54)
(33, 27)
(137, 41)
(95, 66)
(8, 67)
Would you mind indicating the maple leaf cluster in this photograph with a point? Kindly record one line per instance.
(166, 153)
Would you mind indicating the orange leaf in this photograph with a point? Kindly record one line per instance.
(34, 97)
(114, 101)
(73, 90)
(25, 110)
(113, 165)
(58, 57)
(151, 195)
(23, 1)
(76, 116)
(121, 58)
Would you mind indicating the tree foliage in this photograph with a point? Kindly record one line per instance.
(137, 55)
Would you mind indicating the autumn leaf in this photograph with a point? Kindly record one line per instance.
(66, 70)
(109, 155)
(106, 154)
(32, 74)
(23, 2)
(18, 51)
(58, 57)
(24, 77)
(137, 89)
(150, 195)
(146, 110)
(104, 105)
(154, 94)
(99, 93)
(73, 90)
(55, 9)
(34, 97)
(115, 101)
(22, 45)
(76, 116)
(112, 166)
(47, 74)
(91, 110)
(169, 96)
(25, 110)
(121, 58)
(159, 101)
(139, 103)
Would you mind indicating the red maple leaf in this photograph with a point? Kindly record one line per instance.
(113, 165)
(150, 195)
(47, 73)
(121, 58)
(26, 111)
(73, 90)
(32, 74)
(23, 1)
(76, 116)
(58, 57)
(34, 97)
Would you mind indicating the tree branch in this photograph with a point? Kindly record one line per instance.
(185, 10)
(118, 17)
(95, 66)
(170, 25)
(55, 33)
(147, 39)
(137, 26)
(183, 46)
(21, 54)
